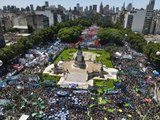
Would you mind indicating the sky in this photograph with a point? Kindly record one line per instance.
(72, 3)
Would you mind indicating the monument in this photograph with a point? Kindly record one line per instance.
(79, 59)
(57, 69)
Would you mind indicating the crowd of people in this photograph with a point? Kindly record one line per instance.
(140, 82)
(133, 98)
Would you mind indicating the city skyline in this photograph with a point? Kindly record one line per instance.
(72, 3)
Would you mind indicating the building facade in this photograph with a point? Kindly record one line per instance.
(128, 20)
(148, 21)
(138, 21)
(135, 20)
(37, 22)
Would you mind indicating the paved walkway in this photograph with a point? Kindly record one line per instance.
(79, 76)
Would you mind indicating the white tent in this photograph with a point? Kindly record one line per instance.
(24, 117)
(127, 57)
(22, 61)
(118, 54)
(29, 56)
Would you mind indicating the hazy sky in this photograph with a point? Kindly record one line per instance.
(72, 3)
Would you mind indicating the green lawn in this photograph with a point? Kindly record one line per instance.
(50, 77)
(104, 56)
(104, 83)
(66, 55)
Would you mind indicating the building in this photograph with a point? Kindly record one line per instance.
(75, 9)
(19, 20)
(48, 13)
(123, 7)
(129, 7)
(128, 20)
(106, 10)
(59, 18)
(149, 17)
(148, 21)
(90, 8)
(8, 23)
(117, 9)
(95, 8)
(86, 9)
(31, 7)
(46, 4)
(101, 8)
(61, 8)
(113, 9)
(138, 21)
(81, 9)
(115, 18)
(151, 4)
(37, 22)
(78, 7)
(135, 20)
(155, 26)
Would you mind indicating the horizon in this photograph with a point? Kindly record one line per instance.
(71, 3)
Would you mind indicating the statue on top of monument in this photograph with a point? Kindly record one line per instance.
(79, 59)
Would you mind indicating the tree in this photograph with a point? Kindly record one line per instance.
(85, 23)
(69, 35)
(3, 56)
(110, 35)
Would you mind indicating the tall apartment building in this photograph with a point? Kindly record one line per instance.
(155, 26)
(78, 7)
(151, 4)
(135, 20)
(149, 17)
(138, 21)
(46, 4)
(95, 8)
(129, 7)
(90, 8)
(148, 21)
(128, 20)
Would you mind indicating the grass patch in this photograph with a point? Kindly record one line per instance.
(104, 56)
(101, 101)
(66, 55)
(50, 77)
(104, 83)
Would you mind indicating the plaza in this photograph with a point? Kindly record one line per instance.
(78, 76)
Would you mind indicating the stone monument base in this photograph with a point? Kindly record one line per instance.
(79, 65)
